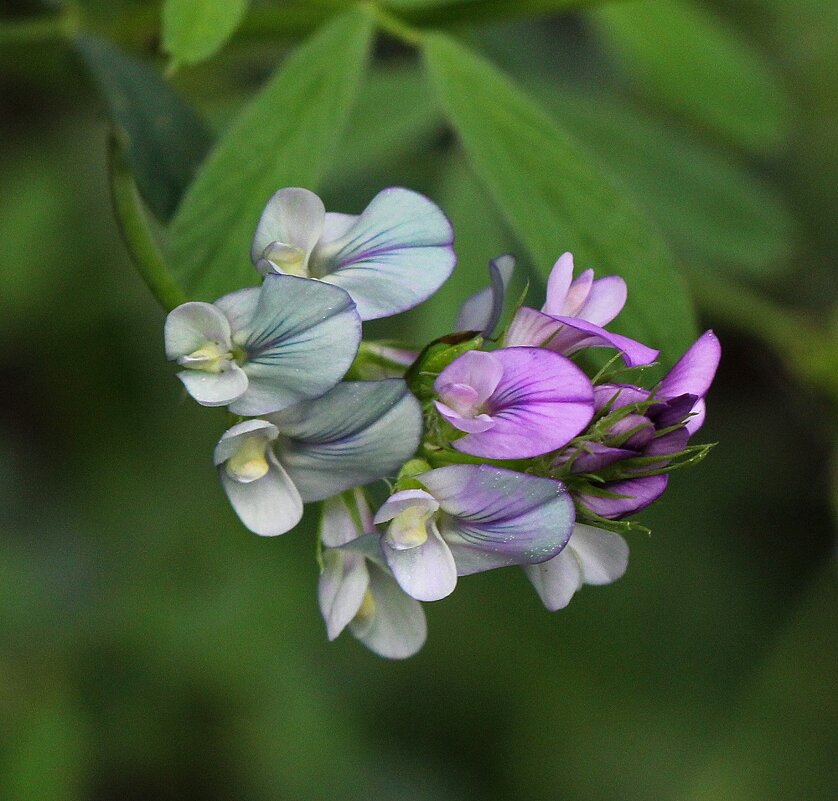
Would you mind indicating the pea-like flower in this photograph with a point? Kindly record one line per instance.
(573, 315)
(391, 257)
(260, 350)
(471, 518)
(356, 590)
(655, 432)
(514, 403)
(591, 556)
(358, 432)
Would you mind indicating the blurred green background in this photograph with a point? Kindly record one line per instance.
(151, 648)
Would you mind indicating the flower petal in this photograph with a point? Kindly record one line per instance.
(575, 334)
(426, 572)
(556, 580)
(558, 284)
(616, 396)
(577, 294)
(358, 432)
(239, 307)
(191, 325)
(605, 300)
(495, 517)
(300, 342)
(476, 369)
(471, 425)
(695, 370)
(482, 310)
(337, 225)
(337, 523)
(530, 328)
(397, 254)
(397, 628)
(398, 502)
(341, 589)
(602, 555)
(542, 401)
(294, 217)
(268, 506)
(638, 494)
(215, 389)
(233, 438)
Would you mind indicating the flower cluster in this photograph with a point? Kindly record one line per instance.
(495, 450)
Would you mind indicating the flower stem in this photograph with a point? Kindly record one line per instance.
(136, 233)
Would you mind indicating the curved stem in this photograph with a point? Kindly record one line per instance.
(136, 233)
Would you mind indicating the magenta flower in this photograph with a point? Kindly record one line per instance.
(514, 403)
(471, 518)
(679, 397)
(573, 315)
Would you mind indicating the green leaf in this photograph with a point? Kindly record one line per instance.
(166, 140)
(285, 137)
(554, 196)
(696, 64)
(711, 209)
(194, 29)
(395, 114)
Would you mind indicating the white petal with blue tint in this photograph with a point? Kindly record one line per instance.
(288, 230)
(300, 342)
(482, 310)
(592, 556)
(341, 589)
(267, 506)
(426, 572)
(358, 432)
(215, 389)
(603, 555)
(397, 254)
(557, 579)
(191, 326)
(390, 622)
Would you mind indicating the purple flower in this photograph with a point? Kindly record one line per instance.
(573, 315)
(356, 590)
(514, 403)
(591, 556)
(678, 398)
(471, 518)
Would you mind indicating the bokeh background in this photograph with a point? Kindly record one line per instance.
(151, 648)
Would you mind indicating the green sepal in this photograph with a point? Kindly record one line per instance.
(407, 475)
(435, 358)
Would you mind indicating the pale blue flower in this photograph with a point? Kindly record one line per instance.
(471, 518)
(358, 432)
(394, 255)
(260, 350)
(356, 590)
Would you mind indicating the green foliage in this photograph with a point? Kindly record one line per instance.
(285, 137)
(555, 198)
(684, 56)
(712, 210)
(195, 29)
(165, 138)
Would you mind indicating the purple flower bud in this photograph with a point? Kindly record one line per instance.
(678, 401)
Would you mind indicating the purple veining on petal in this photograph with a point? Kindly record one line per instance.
(540, 402)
